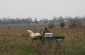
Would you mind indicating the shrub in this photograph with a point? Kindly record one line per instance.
(62, 24)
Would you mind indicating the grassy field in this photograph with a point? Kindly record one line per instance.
(13, 41)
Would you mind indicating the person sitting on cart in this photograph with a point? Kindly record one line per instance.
(46, 31)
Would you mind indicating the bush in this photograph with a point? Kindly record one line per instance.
(62, 24)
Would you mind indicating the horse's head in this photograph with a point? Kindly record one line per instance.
(31, 34)
(29, 31)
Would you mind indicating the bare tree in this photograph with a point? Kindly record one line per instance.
(74, 22)
(36, 21)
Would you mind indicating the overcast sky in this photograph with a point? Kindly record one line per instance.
(41, 8)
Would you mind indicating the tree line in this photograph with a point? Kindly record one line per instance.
(59, 21)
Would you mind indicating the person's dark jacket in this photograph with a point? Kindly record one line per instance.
(46, 31)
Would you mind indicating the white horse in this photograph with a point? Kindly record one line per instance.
(33, 35)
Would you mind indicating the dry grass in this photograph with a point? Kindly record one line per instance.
(13, 41)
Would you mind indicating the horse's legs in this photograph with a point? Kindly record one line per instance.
(27, 35)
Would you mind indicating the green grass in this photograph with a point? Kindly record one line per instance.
(12, 46)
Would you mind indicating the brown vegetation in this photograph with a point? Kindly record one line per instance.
(13, 41)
